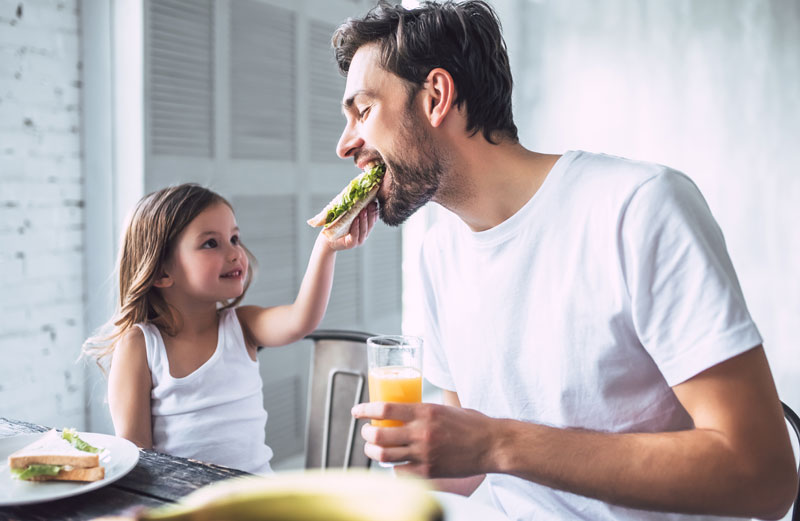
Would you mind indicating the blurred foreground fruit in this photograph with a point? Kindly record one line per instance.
(308, 496)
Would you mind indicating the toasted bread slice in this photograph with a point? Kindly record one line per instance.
(75, 474)
(341, 226)
(52, 449)
(319, 219)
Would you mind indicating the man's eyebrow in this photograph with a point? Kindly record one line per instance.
(348, 103)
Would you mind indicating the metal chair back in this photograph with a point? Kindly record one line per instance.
(793, 420)
(338, 381)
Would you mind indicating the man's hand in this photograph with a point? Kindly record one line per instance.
(359, 230)
(436, 440)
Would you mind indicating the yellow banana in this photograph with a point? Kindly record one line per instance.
(307, 496)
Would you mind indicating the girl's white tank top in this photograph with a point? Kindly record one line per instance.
(215, 414)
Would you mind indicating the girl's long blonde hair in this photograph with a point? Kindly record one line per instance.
(150, 236)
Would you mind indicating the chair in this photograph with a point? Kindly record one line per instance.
(338, 381)
(794, 422)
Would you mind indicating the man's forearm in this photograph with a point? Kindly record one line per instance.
(694, 471)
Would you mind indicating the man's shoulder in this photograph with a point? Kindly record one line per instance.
(618, 167)
(594, 173)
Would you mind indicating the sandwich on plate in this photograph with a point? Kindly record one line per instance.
(344, 208)
(61, 456)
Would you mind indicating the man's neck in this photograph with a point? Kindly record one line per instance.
(489, 183)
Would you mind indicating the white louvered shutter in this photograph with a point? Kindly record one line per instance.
(325, 93)
(181, 69)
(269, 222)
(262, 80)
(383, 276)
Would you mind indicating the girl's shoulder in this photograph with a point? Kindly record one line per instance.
(132, 339)
(130, 350)
(241, 315)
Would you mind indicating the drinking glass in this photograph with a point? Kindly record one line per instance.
(395, 373)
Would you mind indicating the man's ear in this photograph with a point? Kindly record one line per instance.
(164, 281)
(440, 95)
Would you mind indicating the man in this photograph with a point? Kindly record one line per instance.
(585, 321)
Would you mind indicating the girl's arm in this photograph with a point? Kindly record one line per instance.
(281, 325)
(129, 385)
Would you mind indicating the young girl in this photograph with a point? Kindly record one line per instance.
(184, 376)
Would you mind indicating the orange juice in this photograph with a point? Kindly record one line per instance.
(394, 384)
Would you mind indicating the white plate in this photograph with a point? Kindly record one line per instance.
(118, 458)
(460, 508)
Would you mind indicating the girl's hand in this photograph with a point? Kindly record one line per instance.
(359, 230)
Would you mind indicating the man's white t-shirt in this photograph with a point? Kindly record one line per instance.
(610, 285)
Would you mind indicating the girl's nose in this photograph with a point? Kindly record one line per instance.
(349, 142)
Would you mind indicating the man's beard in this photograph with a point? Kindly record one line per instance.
(414, 181)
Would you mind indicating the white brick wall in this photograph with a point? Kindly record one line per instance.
(41, 213)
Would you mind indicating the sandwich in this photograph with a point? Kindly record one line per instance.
(61, 456)
(343, 209)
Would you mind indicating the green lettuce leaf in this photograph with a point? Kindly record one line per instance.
(32, 471)
(356, 190)
(71, 436)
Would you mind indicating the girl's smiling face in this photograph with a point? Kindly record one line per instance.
(208, 263)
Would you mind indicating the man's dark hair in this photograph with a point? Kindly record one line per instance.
(464, 39)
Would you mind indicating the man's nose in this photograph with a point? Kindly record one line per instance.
(349, 142)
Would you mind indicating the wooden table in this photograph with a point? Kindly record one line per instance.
(157, 479)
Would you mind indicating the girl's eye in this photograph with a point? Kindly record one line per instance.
(363, 113)
(211, 243)
(235, 240)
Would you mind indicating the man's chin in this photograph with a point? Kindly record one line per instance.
(396, 204)
(386, 214)
(391, 215)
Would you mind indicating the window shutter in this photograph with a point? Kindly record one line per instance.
(284, 396)
(267, 224)
(383, 256)
(262, 81)
(325, 94)
(181, 72)
(344, 309)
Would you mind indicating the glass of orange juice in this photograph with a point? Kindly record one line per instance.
(395, 373)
